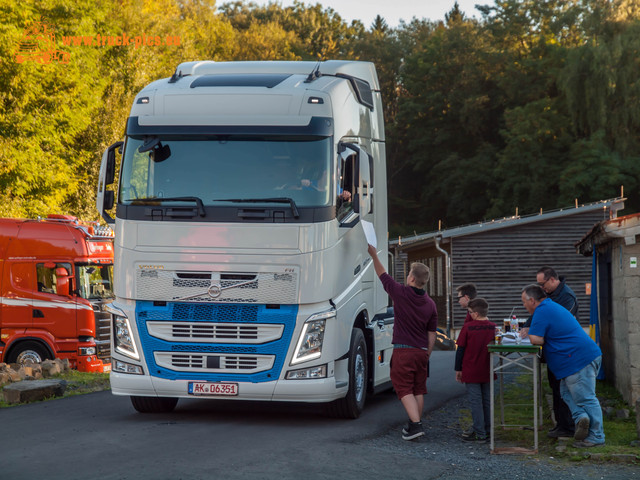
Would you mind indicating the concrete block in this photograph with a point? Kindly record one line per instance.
(617, 288)
(631, 286)
(638, 417)
(633, 341)
(33, 390)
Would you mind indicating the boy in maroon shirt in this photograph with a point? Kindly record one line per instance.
(473, 367)
(414, 334)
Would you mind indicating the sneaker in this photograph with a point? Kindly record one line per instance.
(412, 430)
(586, 444)
(468, 433)
(582, 428)
(558, 432)
(474, 437)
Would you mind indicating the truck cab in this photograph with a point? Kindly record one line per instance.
(56, 276)
(241, 258)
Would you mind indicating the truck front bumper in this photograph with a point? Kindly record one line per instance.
(314, 391)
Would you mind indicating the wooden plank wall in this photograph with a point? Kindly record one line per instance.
(501, 262)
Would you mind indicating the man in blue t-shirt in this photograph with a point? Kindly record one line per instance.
(573, 357)
(557, 290)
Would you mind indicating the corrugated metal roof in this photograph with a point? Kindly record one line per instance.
(614, 204)
(627, 227)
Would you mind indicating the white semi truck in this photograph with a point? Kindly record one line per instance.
(241, 265)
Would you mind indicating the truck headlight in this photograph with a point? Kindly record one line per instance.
(87, 350)
(309, 345)
(123, 340)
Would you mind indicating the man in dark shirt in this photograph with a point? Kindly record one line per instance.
(414, 334)
(558, 291)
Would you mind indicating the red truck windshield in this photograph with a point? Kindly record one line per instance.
(95, 282)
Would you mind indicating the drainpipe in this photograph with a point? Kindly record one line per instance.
(447, 269)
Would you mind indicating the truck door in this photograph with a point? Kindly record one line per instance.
(54, 305)
(17, 295)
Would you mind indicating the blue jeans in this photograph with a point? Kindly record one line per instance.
(479, 396)
(579, 393)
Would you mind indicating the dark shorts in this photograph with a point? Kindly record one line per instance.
(409, 368)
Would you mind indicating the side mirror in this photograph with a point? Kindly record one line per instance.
(62, 282)
(365, 189)
(109, 200)
(110, 173)
(105, 199)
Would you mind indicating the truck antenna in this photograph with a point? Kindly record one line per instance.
(314, 74)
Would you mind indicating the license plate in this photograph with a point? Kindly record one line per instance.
(216, 389)
(106, 368)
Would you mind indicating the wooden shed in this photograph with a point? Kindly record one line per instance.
(501, 257)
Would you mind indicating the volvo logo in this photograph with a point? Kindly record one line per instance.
(216, 289)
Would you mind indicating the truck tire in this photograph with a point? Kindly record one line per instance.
(352, 404)
(26, 352)
(154, 404)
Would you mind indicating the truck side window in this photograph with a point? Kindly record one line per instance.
(47, 276)
(345, 187)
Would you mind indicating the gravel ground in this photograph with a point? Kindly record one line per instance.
(453, 458)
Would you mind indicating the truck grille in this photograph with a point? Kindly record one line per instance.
(215, 342)
(217, 287)
(215, 332)
(103, 333)
(192, 362)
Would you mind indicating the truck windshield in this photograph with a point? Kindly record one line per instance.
(219, 171)
(95, 282)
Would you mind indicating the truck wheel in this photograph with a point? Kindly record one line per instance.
(28, 352)
(154, 404)
(353, 403)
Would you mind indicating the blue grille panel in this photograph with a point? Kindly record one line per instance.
(173, 312)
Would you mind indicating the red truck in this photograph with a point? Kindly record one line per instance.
(56, 275)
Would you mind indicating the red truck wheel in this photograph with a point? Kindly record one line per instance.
(26, 352)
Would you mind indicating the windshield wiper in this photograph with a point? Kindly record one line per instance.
(289, 200)
(151, 200)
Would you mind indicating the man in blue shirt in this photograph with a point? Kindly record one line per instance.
(573, 358)
(557, 290)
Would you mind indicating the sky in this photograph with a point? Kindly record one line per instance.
(391, 10)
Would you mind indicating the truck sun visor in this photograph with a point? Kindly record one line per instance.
(254, 80)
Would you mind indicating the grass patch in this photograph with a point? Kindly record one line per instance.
(518, 399)
(78, 383)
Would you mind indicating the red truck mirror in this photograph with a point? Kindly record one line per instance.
(62, 282)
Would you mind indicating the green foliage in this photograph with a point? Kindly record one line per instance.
(532, 106)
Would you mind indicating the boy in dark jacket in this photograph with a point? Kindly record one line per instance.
(473, 367)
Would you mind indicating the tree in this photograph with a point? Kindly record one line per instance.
(448, 116)
(44, 108)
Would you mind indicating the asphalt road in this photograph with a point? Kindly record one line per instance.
(101, 436)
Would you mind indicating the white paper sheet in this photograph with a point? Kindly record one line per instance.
(369, 233)
(510, 339)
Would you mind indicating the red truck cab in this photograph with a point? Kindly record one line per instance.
(56, 275)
